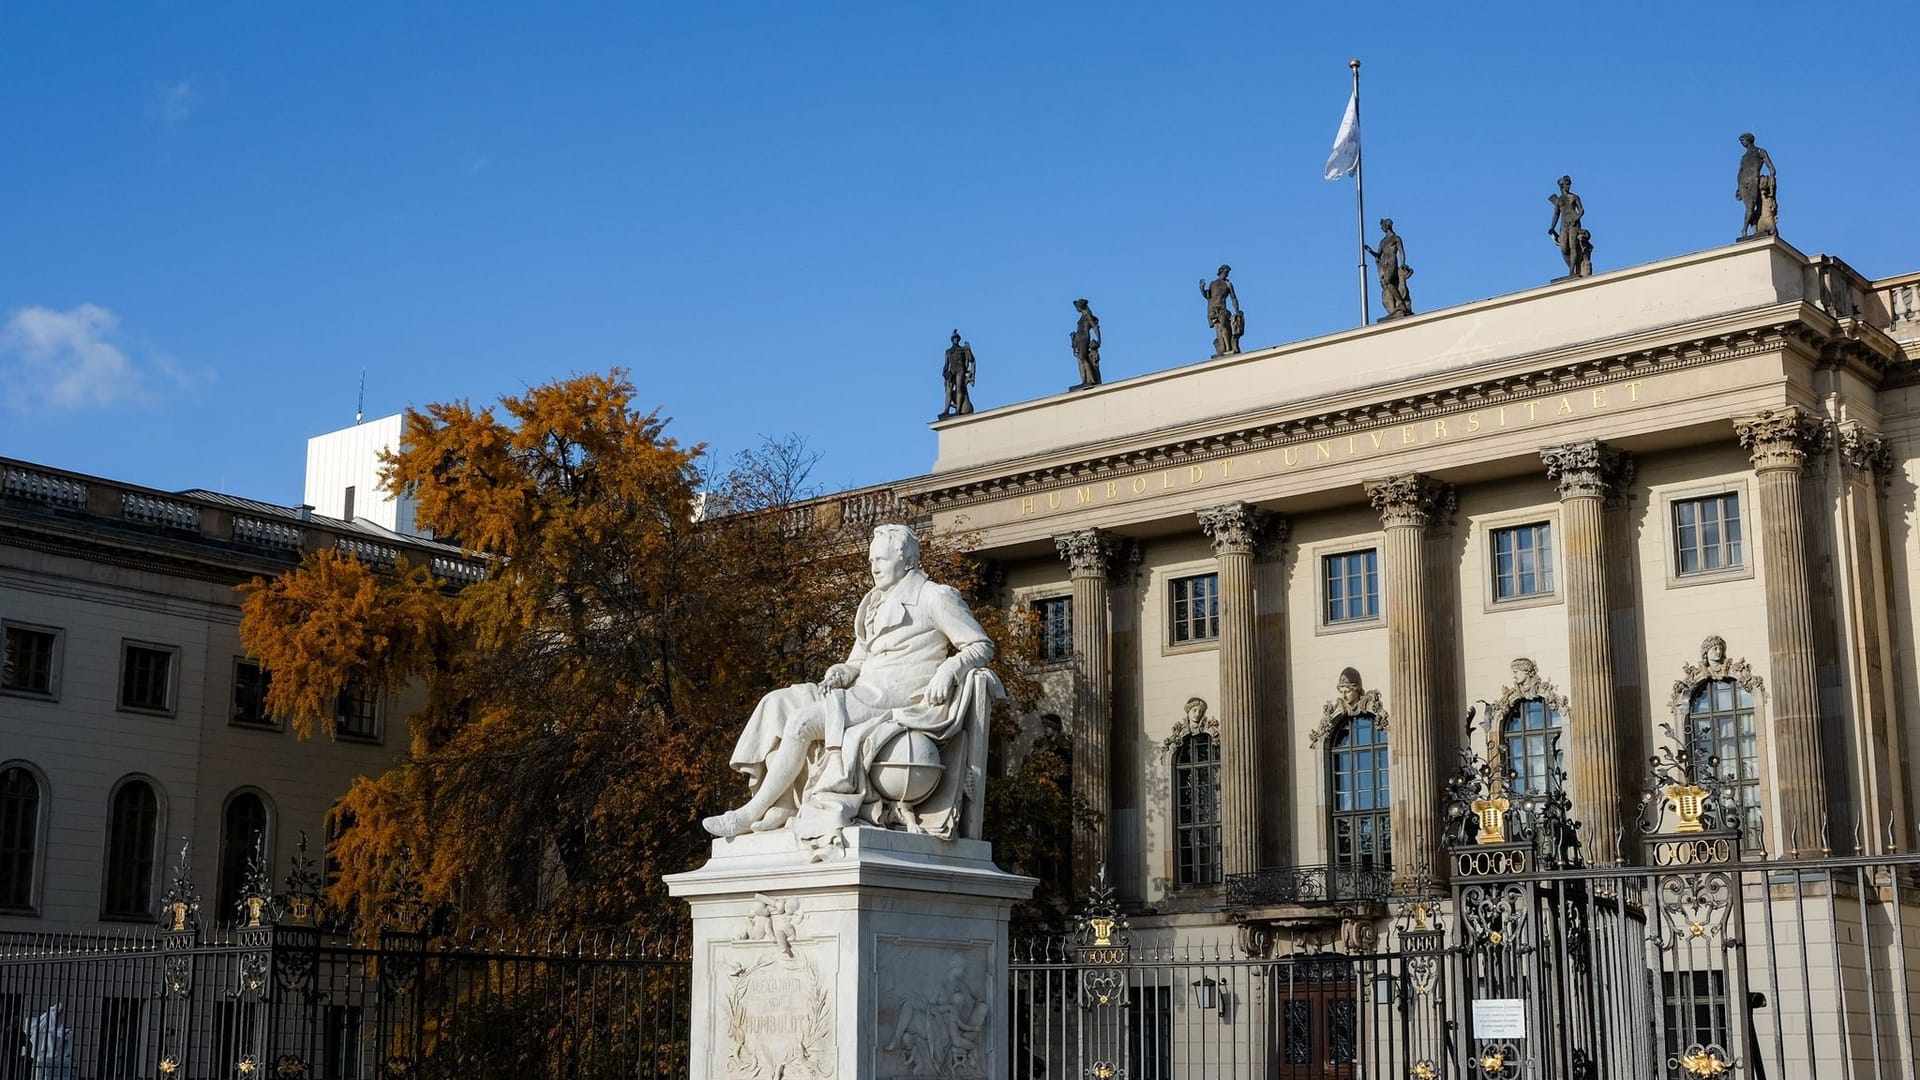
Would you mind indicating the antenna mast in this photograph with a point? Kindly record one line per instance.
(360, 404)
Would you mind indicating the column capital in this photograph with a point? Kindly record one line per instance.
(1589, 469)
(1088, 552)
(1239, 528)
(1863, 450)
(1780, 438)
(1409, 499)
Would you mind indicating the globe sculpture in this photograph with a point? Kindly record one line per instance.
(907, 768)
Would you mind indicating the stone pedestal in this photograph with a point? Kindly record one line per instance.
(887, 958)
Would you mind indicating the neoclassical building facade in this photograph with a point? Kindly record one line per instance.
(1274, 584)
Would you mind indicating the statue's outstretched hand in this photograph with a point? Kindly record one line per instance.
(838, 677)
(939, 688)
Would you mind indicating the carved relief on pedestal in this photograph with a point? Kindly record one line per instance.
(934, 1011)
(1780, 438)
(1714, 663)
(1409, 499)
(776, 1007)
(1350, 699)
(1590, 469)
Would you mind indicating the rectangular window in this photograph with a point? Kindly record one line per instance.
(250, 695)
(146, 678)
(1352, 586)
(1523, 561)
(1706, 534)
(1056, 627)
(356, 713)
(29, 667)
(348, 504)
(1195, 611)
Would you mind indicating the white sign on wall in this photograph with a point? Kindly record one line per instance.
(1500, 1018)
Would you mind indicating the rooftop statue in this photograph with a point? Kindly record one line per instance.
(894, 736)
(959, 373)
(1227, 325)
(1086, 345)
(1575, 246)
(1756, 190)
(1391, 263)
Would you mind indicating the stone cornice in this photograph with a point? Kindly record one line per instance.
(1510, 381)
(1588, 469)
(1239, 528)
(1780, 438)
(1409, 499)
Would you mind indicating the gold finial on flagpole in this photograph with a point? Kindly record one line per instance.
(1354, 64)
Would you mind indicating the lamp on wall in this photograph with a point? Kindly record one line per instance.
(1207, 994)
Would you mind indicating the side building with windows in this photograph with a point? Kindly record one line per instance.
(130, 719)
(1272, 584)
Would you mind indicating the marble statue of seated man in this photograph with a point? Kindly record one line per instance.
(807, 750)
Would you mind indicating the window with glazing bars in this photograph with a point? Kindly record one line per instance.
(1523, 561)
(146, 678)
(1706, 534)
(1196, 811)
(1195, 614)
(132, 820)
(1362, 793)
(1352, 581)
(1056, 627)
(29, 660)
(1722, 711)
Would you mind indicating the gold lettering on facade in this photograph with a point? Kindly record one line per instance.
(1324, 450)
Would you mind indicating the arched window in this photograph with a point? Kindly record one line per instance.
(1196, 811)
(243, 831)
(19, 837)
(1531, 737)
(1362, 793)
(1721, 712)
(133, 835)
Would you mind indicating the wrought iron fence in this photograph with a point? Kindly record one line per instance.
(1308, 885)
(278, 995)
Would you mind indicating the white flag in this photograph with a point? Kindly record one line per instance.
(1346, 145)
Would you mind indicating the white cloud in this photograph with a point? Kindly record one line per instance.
(174, 102)
(70, 360)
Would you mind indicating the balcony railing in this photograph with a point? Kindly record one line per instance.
(1308, 885)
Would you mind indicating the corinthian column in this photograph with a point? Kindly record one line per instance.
(1779, 440)
(1588, 473)
(1406, 503)
(1237, 530)
(1089, 553)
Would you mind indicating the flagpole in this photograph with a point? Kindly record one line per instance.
(1360, 199)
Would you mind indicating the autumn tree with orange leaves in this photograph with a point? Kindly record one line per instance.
(580, 702)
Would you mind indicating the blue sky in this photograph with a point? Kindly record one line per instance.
(212, 217)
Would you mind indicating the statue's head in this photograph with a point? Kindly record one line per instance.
(1713, 649)
(1348, 689)
(1225, 269)
(1196, 709)
(1566, 182)
(1080, 305)
(1386, 224)
(1746, 139)
(956, 337)
(895, 551)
